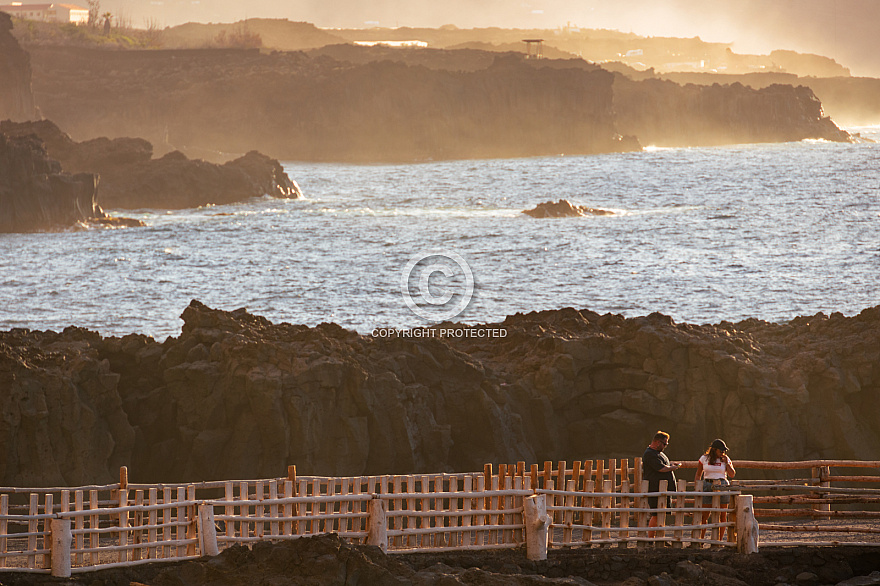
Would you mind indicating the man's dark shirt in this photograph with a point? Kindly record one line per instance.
(652, 461)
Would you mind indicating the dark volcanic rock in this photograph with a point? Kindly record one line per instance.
(131, 178)
(174, 181)
(326, 560)
(236, 396)
(564, 209)
(16, 95)
(36, 195)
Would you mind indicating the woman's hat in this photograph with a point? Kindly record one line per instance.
(719, 444)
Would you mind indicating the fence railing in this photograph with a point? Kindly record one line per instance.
(589, 504)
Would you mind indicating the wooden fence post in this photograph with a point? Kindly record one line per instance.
(824, 473)
(207, 531)
(377, 532)
(746, 525)
(537, 525)
(60, 547)
(192, 528)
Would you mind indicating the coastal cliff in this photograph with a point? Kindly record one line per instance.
(664, 113)
(409, 107)
(35, 194)
(16, 95)
(236, 396)
(296, 107)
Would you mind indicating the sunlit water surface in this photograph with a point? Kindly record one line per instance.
(702, 234)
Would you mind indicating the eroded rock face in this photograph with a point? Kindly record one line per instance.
(62, 412)
(16, 95)
(564, 209)
(131, 178)
(235, 396)
(36, 195)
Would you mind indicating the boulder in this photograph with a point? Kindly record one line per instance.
(564, 209)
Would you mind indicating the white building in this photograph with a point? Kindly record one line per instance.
(48, 12)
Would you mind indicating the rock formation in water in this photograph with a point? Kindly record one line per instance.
(35, 195)
(16, 95)
(564, 209)
(131, 178)
(236, 396)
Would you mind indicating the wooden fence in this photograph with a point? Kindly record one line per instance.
(586, 504)
(805, 503)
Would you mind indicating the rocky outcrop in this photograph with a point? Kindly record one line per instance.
(663, 113)
(35, 195)
(564, 209)
(175, 181)
(16, 95)
(132, 179)
(236, 396)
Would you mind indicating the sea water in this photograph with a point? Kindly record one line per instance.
(770, 231)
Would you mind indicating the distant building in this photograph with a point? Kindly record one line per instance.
(48, 12)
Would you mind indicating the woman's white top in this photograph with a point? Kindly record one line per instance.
(714, 471)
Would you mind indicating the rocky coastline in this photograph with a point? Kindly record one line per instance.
(130, 178)
(410, 107)
(235, 396)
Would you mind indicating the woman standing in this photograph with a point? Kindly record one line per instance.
(717, 468)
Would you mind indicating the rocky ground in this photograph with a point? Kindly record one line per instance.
(327, 560)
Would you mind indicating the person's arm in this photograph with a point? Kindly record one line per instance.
(657, 464)
(728, 466)
(699, 473)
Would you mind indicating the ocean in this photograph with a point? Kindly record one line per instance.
(770, 231)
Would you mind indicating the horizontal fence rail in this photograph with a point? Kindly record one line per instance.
(585, 504)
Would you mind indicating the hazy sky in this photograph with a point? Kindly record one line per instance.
(843, 29)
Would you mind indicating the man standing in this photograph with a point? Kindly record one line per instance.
(656, 467)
